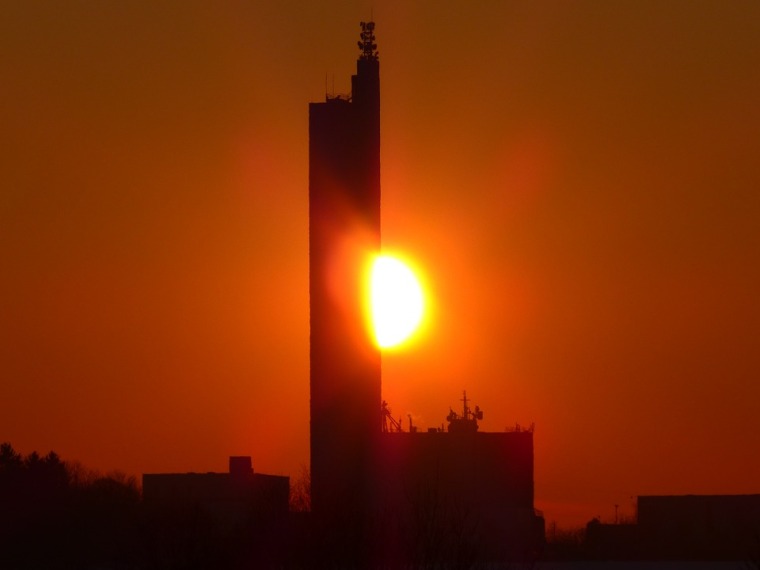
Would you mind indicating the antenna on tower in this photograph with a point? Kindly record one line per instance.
(367, 44)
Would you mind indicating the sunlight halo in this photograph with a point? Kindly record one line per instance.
(396, 300)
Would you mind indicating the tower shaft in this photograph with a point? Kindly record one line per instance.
(344, 232)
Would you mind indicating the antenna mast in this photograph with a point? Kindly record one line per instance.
(367, 43)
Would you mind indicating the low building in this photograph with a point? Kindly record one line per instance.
(464, 484)
(700, 526)
(230, 498)
(682, 527)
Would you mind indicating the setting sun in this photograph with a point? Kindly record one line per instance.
(396, 301)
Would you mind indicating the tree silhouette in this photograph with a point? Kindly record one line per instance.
(300, 491)
(57, 515)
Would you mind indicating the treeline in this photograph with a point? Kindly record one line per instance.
(55, 514)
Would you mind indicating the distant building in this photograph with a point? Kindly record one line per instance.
(479, 481)
(230, 498)
(686, 527)
(701, 526)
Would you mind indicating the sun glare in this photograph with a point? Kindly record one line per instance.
(396, 301)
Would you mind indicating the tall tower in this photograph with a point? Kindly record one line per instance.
(344, 231)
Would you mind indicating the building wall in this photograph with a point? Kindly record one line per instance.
(707, 526)
(230, 500)
(494, 469)
(683, 527)
(481, 480)
(344, 231)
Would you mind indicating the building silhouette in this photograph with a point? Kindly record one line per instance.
(230, 499)
(682, 527)
(344, 232)
(479, 484)
(367, 474)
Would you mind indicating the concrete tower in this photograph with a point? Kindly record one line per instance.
(344, 231)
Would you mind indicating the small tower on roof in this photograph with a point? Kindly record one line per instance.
(468, 421)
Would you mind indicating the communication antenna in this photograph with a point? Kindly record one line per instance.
(367, 43)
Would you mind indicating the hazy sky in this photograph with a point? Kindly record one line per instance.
(578, 181)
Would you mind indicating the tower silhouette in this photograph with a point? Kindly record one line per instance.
(344, 231)
(362, 477)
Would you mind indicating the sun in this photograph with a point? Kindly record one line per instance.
(396, 301)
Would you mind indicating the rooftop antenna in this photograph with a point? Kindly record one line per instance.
(367, 43)
(468, 413)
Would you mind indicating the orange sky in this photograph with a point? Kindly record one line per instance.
(579, 182)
